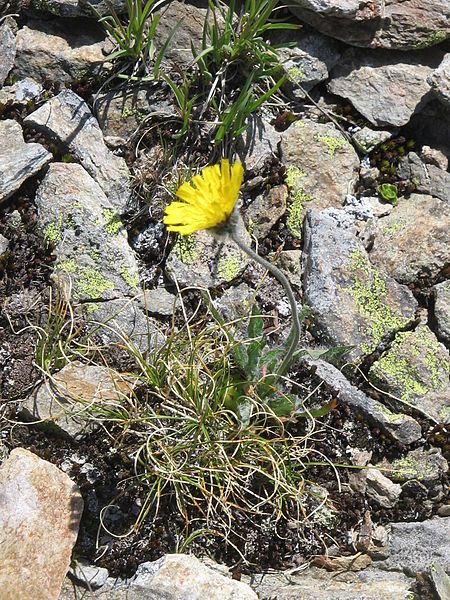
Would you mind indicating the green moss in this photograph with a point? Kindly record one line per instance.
(332, 143)
(113, 222)
(229, 266)
(293, 174)
(391, 416)
(186, 249)
(404, 468)
(53, 232)
(434, 37)
(296, 75)
(370, 295)
(92, 284)
(133, 112)
(295, 211)
(392, 228)
(68, 266)
(130, 279)
(95, 254)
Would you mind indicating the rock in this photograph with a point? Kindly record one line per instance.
(307, 60)
(67, 119)
(318, 584)
(321, 168)
(416, 369)
(441, 582)
(258, 145)
(380, 208)
(441, 294)
(120, 113)
(444, 510)
(21, 92)
(433, 156)
(80, 8)
(413, 241)
(87, 575)
(440, 80)
(409, 25)
(18, 161)
(398, 84)
(265, 210)
(402, 428)
(7, 50)
(368, 139)
(235, 305)
(420, 465)
(172, 577)
(94, 263)
(290, 262)
(414, 547)
(427, 178)
(352, 302)
(39, 518)
(65, 401)
(201, 260)
(160, 302)
(4, 245)
(432, 125)
(381, 489)
(59, 50)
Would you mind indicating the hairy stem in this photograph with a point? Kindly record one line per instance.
(294, 336)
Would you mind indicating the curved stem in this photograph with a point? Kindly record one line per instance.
(294, 336)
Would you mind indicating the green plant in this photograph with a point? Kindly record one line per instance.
(389, 193)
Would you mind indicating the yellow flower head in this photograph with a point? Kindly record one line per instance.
(208, 200)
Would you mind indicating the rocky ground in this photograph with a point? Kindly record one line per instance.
(347, 187)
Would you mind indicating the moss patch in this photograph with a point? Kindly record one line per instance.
(132, 280)
(332, 143)
(113, 222)
(185, 249)
(296, 75)
(295, 211)
(229, 267)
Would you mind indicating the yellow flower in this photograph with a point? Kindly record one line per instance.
(208, 200)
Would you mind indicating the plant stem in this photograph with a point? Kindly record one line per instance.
(294, 336)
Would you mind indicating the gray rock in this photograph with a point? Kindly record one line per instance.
(352, 302)
(121, 113)
(400, 427)
(420, 465)
(265, 210)
(379, 207)
(80, 8)
(409, 25)
(435, 157)
(161, 302)
(440, 80)
(21, 92)
(7, 50)
(319, 584)
(290, 262)
(4, 244)
(59, 50)
(441, 582)
(398, 84)
(321, 168)
(413, 241)
(258, 145)
(307, 61)
(201, 260)
(427, 178)
(94, 264)
(18, 161)
(416, 369)
(67, 119)
(65, 401)
(235, 306)
(414, 547)
(381, 489)
(441, 294)
(39, 520)
(367, 139)
(87, 575)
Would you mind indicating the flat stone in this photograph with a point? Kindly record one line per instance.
(405, 24)
(18, 161)
(87, 575)
(258, 145)
(412, 244)
(441, 582)
(94, 264)
(419, 465)
(428, 179)
(67, 119)
(201, 260)
(59, 50)
(398, 83)
(39, 518)
(64, 402)
(321, 168)
(81, 8)
(368, 139)
(402, 428)
(7, 50)
(416, 370)
(435, 157)
(352, 302)
(440, 80)
(265, 210)
(318, 584)
(441, 294)
(21, 92)
(161, 302)
(415, 547)
(381, 489)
